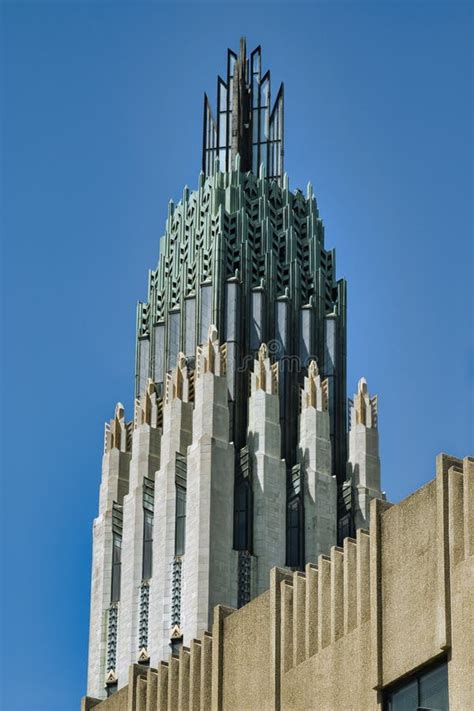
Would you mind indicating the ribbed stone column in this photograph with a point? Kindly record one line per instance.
(320, 490)
(144, 463)
(208, 578)
(268, 470)
(114, 484)
(177, 428)
(364, 462)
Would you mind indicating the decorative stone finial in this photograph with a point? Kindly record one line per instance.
(146, 410)
(313, 370)
(364, 409)
(177, 382)
(176, 632)
(211, 357)
(265, 374)
(315, 390)
(143, 656)
(118, 432)
(212, 334)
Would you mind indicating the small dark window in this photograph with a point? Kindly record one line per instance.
(147, 544)
(427, 689)
(345, 528)
(294, 534)
(241, 515)
(175, 645)
(112, 688)
(116, 566)
(180, 529)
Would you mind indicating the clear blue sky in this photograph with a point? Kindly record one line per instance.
(101, 126)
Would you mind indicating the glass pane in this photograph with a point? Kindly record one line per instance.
(232, 60)
(222, 160)
(255, 91)
(190, 345)
(180, 529)
(255, 126)
(231, 313)
(180, 501)
(173, 336)
(265, 92)
(144, 351)
(256, 62)
(222, 97)
(179, 544)
(206, 312)
(147, 560)
(305, 336)
(434, 689)
(263, 125)
(222, 130)
(256, 320)
(281, 328)
(117, 550)
(148, 527)
(405, 699)
(159, 354)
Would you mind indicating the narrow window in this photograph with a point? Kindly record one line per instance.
(147, 544)
(180, 529)
(293, 533)
(116, 567)
(241, 515)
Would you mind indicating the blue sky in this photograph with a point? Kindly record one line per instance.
(101, 126)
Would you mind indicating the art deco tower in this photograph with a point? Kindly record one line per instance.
(236, 459)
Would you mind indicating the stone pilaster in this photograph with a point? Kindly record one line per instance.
(364, 462)
(177, 428)
(268, 470)
(114, 485)
(144, 463)
(208, 575)
(319, 486)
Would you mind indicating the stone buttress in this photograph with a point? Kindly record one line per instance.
(208, 578)
(106, 554)
(138, 516)
(364, 461)
(319, 486)
(170, 494)
(268, 469)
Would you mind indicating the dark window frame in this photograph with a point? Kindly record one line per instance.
(180, 521)
(115, 582)
(147, 556)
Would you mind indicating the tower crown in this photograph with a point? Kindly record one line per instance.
(246, 124)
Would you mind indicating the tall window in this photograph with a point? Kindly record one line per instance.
(116, 567)
(180, 528)
(241, 515)
(427, 689)
(147, 544)
(294, 529)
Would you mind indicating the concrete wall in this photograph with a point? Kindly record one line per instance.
(333, 637)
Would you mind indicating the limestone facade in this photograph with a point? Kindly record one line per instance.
(390, 606)
(164, 552)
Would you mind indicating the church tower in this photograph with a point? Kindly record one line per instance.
(236, 457)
